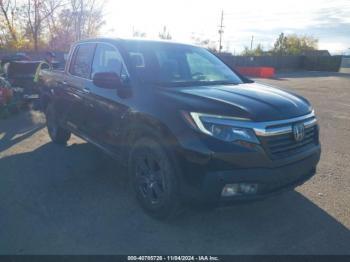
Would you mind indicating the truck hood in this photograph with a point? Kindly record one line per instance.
(254, 101)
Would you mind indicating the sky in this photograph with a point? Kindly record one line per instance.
(329, 21)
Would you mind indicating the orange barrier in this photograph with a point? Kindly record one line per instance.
(264, 72)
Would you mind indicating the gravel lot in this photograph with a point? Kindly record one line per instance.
(74, 199)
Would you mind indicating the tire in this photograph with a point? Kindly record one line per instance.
(57, 134)
(154, 178)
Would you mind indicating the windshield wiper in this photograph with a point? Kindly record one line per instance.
(223, 83)
(193, 83)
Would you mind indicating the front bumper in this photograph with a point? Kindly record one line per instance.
(270, 180)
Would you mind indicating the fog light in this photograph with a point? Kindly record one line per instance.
(230, 190)
(239, 189)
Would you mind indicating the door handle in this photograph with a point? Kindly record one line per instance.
(86, 90)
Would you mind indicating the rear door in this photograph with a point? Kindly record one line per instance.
(77, 85)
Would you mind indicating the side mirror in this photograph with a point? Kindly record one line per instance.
(107, 80)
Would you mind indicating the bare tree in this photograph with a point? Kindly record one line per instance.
(78, 19)
(51, 9)
(165, 34)
(56, 23)
(63, 34)
(204, 42)
(138, 33)
(87, 16)
(36, 13)
(8, 12)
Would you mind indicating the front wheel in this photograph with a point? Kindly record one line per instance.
(154, 178)
(57, 134)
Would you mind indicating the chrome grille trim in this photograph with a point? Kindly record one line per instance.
(273, 131)
(275, 128)
(310, 123)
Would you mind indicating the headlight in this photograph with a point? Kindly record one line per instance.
(220, 127)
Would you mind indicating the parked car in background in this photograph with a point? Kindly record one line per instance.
(4, 61)
(21, 74)
(189, 129)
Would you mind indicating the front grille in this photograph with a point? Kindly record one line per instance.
(284, 145)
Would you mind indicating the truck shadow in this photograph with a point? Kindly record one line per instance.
(19, 127)
(75, 200)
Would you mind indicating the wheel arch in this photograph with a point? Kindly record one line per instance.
(139, 124)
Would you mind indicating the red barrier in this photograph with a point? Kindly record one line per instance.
(264, 72)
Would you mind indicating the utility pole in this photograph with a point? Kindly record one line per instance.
(251, 43)
(221, 30)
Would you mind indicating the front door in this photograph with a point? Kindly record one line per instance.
(106, 108)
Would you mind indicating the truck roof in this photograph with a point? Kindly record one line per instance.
(131, 40)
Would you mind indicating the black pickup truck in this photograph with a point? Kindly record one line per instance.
(189, 128)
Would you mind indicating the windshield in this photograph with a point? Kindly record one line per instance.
(170, 64)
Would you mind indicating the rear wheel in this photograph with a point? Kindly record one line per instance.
(57, 134)
(154, 178)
